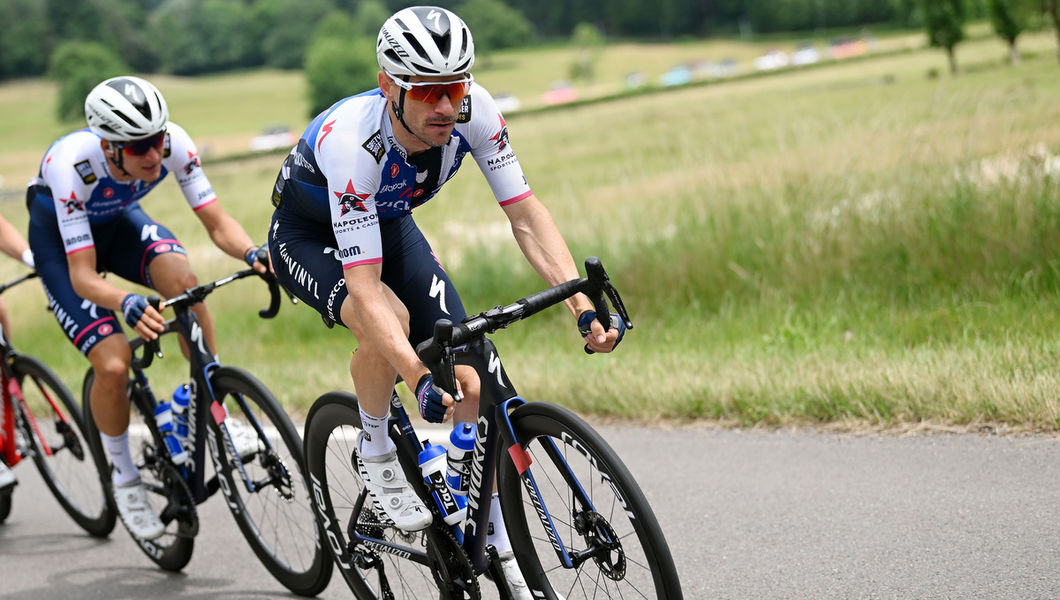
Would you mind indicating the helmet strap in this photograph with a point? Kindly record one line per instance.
(117, 158)
(399, 107)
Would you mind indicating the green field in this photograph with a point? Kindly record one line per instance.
(853, 244)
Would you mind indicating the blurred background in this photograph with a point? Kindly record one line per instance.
(818, 211)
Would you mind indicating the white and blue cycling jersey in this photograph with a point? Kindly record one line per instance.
(350, 171)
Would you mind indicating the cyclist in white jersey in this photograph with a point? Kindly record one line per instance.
(343, 238)
(85, 217)
(14, 245)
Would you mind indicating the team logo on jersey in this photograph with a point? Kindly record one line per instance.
(394, 170)
(105, 329)
(193, 163)
(351, 200)
(108, 193)
(72, 203)
(166, 149)
(464, 114)
(84, 170)
(374, 145)
(501, 137)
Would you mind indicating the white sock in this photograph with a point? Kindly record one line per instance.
(496, 534)
(376, 441)
(120, 456)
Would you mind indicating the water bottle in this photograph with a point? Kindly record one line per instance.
(166, 426)
(181, 397)
(461, 448)
(432, 462)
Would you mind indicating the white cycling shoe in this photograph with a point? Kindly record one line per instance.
(514, 577)
(7, 478)
(244, 438)
(394, 498)
(135, 511)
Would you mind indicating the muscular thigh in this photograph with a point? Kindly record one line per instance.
(412, 271)
(303, 257)
(137, 240)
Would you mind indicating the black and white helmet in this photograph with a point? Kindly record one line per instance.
(125, 108)
(425, 40)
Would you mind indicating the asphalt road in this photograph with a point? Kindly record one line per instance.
(748, 514)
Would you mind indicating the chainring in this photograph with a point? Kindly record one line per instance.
(449, 558)
(180, 505)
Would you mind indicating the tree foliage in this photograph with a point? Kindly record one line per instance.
(1011, 18)
(494, 25)
(944, 23)
(337, 67)
(78, 67)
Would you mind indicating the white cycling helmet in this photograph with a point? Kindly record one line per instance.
(425, 40)
(125, 108)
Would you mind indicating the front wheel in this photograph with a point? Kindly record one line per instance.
(258, 456)
(52, 426)
(600, 522)
(377, 560)
(167, 492)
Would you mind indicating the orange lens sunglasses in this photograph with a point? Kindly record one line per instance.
(432, 91)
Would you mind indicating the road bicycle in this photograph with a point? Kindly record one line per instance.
(579, 524)
(262, 485)
(40, 420)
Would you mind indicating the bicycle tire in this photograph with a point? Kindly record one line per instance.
(5, 504)
(330, 435)
(172, 551)
(71, 471)
(621, 519)
(277, 520)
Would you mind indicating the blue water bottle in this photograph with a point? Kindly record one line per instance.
(181, 397)
(432, 462)
(167, 427)
(461, 448)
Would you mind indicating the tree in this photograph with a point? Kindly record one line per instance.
(1053, 8)
(336, 67)
(494, 25)
(1010, 19)
(590, 42)
(23, 48)
(369, 16)
(78, 66)
(289, 28)
(944, 22)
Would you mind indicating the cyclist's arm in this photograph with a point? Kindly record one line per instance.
(11, 241)
(543, 245)
(375, 319)
(89, 285)
(226, 233)
(545, 249)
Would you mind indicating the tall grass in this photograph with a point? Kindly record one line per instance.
(852, 244)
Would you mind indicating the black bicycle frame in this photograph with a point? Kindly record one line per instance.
(467, 344)
(202, 403)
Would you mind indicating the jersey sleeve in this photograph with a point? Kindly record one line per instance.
(488, 137)
(71, 180)
(353, 178)
(181, 157)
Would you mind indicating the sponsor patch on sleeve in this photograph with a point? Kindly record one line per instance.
(374, 145)
(84, 170)
(464, 114)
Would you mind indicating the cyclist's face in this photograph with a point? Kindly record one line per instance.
(431, 122)
(147, 166)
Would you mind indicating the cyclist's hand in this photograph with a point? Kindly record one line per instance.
(436, 405)
(257, 257)
(596, 339)
(142, 317)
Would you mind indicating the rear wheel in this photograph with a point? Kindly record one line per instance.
(377, 560)
(258, 455)
(167, 492)
(54, 432)
(600, 516)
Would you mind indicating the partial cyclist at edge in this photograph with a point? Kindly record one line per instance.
(14, 245)
(344, 241)
(86, 219)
